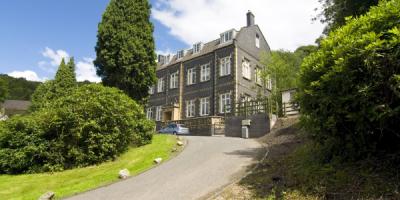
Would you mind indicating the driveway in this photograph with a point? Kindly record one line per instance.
(206, 165)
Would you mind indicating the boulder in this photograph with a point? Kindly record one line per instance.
(157, 160)
(47, 196)
(123, 174)
(179, 143)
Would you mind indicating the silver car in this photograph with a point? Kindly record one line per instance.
(175, 129)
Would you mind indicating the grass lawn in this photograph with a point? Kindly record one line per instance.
(69, 182)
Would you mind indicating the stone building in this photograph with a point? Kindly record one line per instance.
(207, 79)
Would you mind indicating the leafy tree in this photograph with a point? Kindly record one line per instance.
(125, 48)
(64, 82)
(3, 90)
(350, 87)
(335, 12)
(19, 88)
(282, 67)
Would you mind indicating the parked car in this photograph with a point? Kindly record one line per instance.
(174, 129)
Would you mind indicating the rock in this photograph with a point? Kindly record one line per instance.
(157, 160)
(174, 149)
(179, 138)
(179, 143)
(123, 174)
(47, 196)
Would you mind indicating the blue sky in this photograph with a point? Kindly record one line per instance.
(35, 34)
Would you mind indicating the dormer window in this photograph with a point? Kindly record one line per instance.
(227, 36)
(180, 54)
(197, 47)
(161, 59)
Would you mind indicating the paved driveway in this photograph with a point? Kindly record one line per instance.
(206, 164)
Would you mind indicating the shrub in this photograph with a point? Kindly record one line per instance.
(92, 125)
(350, 87)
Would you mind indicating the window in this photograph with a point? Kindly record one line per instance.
(205, 106)
(151, 90)
(190, 108)
(257, 41)
(246, 69)
(149, 113)
(205, 72)
(258, 76)
(160, 86)
(225, 66)
(197, 47)
(225, 103)
(173, 82)
(180, 54)
(158, 113)
(269, 83)
(227, 36)
(191, 76)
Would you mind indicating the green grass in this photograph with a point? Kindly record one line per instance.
(66, 183)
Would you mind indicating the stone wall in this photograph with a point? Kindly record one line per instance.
(259, 127)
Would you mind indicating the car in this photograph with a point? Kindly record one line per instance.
(175, 129)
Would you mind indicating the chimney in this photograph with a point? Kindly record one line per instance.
(250, 19)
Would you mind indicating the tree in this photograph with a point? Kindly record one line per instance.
(125, 48)
(3, 90)
(350, 88)
(282, 68)
(19, 88)
(63, 83)
(335, 12)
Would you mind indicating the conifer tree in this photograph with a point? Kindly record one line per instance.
(125, 48)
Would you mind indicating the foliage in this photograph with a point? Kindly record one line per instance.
(350, 87)
(91, 125)
(125, 48)
(66, 183)
(3, 90)
(335, 12)
(282, 67)
(19, 88)
(49, 91)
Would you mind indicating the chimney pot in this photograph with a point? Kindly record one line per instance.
(250, 19)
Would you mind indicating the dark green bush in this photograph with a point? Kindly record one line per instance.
(91, 125)
(350, 88)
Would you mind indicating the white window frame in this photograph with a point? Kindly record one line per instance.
(151, 89)
(225, 100)
(173, 81)
(197, 47)
(205, 106)
(158, 113)
(205, 72)
(149, 113)
(191, 76)
(180, 54)
(258, 75)
(226, 36)
(257, 40)
(190, 108)
(246, 69)
(225, 66)
(160, 85)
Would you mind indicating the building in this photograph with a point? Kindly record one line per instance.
(209, 78)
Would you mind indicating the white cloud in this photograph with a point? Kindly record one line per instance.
(85, 70)
(285, 23)
(27, 74)
(54, 59)
(165, 52)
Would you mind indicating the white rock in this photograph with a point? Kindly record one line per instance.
(180, 143)
(47, 196)
(124, 173)
(157, 160)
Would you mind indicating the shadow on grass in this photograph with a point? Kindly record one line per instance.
(292, 170)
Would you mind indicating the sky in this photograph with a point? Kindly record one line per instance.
(36, 35)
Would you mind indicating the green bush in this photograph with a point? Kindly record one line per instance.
(350, 87)
(92, 125)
